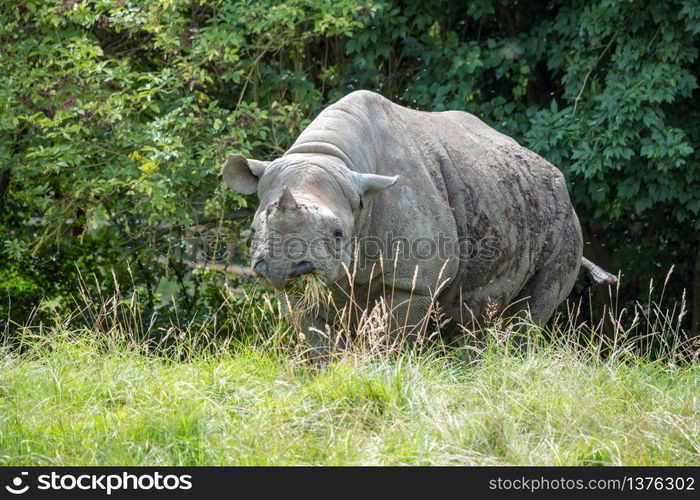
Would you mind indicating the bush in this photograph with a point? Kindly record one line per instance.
(116, 115)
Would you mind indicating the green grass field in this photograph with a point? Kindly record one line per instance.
(82, 399)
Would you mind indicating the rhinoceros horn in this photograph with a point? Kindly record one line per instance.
(287, 201)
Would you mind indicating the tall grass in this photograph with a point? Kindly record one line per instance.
(104, 387)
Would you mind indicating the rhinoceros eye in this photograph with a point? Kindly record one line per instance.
(338, 234)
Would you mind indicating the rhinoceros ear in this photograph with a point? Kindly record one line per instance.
(372, 184)
(241, 174)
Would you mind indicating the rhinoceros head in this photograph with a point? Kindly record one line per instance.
(307, 214)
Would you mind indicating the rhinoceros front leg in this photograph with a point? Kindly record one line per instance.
(410, 318)
(404, 322)
(319, 342)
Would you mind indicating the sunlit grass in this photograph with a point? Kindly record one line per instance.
(71, 399)
(95, 388)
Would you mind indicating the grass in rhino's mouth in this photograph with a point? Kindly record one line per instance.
(309, 291)
(307, 285)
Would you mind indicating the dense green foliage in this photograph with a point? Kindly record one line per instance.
(115, 116)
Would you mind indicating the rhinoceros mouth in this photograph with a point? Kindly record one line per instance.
(302, 268)
(280, 279)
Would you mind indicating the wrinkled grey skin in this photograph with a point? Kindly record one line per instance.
(368, 167)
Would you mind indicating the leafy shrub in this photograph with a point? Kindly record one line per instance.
(115, 114)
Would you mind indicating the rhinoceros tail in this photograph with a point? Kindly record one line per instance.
(600, 275)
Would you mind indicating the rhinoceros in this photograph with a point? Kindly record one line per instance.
(433, 206)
